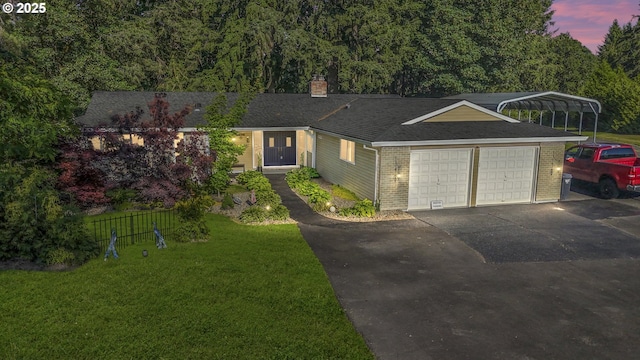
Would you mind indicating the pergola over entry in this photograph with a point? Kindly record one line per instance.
(537, 101)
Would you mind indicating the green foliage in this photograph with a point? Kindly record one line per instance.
(60, 256)
(33, 221)
(300, 181)
(339, 191)
(221, 118)
(227, 202)
(298, 177)
(267, 197)
(253, 214)
(278, 212)
(405, 47)
(320, 197)
(245, 177)
(193, 208)
(191, 231)
(619, 96)
(259, 213)
(122, 199)
(621, 48)
(34, 116)
(363, 208)
(258, 183)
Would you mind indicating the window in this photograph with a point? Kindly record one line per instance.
(586, 153)
(288, 141)
(272, 142)
(617, 153)
(348, 151)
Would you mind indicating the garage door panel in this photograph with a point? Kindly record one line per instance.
(506, 175)
(439, 175)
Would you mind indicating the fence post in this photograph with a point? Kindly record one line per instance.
(132, 233)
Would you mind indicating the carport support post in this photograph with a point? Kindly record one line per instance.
(595, 126)
(580, 128)
(553, 119)
(566, 120)
(541, 113)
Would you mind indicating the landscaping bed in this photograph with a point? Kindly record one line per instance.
(336, 202)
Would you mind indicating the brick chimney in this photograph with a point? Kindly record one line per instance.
(318, 86)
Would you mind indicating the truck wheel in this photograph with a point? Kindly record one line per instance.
(608, 189)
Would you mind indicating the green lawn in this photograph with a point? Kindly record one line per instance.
(618, 138)
(251, 292)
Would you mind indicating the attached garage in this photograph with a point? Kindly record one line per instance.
(441, 176)
(506, 175)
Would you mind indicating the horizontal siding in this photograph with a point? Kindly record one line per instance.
(463, 113)
(358, 177)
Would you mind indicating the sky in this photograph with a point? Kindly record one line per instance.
(588, 21)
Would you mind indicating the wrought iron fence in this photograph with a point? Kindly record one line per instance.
(132, 228)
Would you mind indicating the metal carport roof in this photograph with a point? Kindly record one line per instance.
(536, 101)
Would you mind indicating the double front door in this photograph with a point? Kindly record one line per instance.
(279, 148)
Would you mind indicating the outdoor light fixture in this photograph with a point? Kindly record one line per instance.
(268, 207)
(145, 253)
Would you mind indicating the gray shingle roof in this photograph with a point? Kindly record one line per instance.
(369, 118)
(266, 110)
(381, 120)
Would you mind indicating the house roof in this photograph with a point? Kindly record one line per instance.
(390, 122)
(265, 110)
(379, 120)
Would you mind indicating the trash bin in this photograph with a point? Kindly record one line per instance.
(566, 186)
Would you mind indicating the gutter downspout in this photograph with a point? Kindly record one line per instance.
(377, 172)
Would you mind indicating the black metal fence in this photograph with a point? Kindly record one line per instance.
(133, 228)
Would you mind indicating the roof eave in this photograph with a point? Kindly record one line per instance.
(480, 141)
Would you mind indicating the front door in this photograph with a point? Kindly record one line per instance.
(279, 148)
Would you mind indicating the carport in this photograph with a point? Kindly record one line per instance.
(541, 102)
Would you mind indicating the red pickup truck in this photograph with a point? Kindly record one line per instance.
(614, 167)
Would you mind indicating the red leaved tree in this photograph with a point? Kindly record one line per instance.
(157, 169)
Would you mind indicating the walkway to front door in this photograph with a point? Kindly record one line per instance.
(279, 148)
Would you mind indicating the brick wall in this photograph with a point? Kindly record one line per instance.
(549, 172)
(394, 177)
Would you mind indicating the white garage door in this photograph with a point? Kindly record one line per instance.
(505, 175)
(439, 175)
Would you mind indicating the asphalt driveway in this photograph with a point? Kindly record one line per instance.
(574, 230)
(418, 289)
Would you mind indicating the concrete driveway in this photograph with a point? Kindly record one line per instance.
(562, 287)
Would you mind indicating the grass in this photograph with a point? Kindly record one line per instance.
(339, 191)
(251, 292)
(618, 138)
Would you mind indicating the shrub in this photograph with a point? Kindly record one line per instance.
(188, 231)
(298, 176)
(363, 208)
(309, 172)
(307, 188)
(320, 196)
(258, 184)
(193, 208)
(227, 202)
(253, 214)
(267, 197)
(278, 212)
(60, 256)
(33, 222)
(246, 176)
